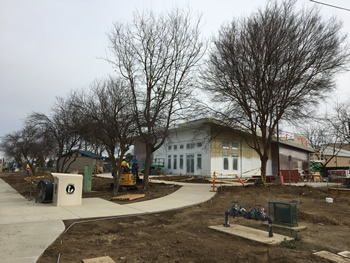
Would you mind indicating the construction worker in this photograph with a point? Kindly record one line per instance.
(125, 166)
(27, 170)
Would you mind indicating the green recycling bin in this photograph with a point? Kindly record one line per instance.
(87, 185)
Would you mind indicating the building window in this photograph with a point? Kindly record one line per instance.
(181, 161)
(169, 147)
(175, 147)
(181, 146)
(199, 144)
(190, 145)
(199, 161)
(190, 163)
(225, 163)
(235, 146)
(169, 161)
(235, 162)
(225, 145)
(225, 156)
(175, 161)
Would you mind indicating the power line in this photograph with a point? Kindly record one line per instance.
(339, 7)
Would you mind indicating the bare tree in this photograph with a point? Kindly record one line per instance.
(109, 113)
(64, 126)
(323, 137)
(277, 63)
(10, 146)
(28, 146)
(341, 121)
(157, 55)
(94, 146)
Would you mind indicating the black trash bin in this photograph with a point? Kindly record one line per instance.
(44, 192)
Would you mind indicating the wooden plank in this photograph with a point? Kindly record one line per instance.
(345, 254)
(252, 234)
(128, 197)
(106, 259)
(332, 257)
(136, 196)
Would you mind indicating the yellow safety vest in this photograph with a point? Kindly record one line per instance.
(124, 163)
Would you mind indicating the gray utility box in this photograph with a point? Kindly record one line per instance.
(68, 189)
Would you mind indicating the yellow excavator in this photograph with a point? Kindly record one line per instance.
(128, 178)
(126, 182)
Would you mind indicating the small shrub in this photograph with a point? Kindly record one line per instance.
(291, 244)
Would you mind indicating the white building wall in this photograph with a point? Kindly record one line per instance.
(247, 167)
(251, 166)
(185, 143)
(248, 161)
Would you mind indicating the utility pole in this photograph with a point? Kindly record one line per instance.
(334, 6)
(278, 144)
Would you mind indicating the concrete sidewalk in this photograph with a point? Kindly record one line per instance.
(28, 228)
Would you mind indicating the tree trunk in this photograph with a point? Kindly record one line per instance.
(116, 181)
(116, 175)
(59, 156)
(20, 163)
(57, 165)
(32, 168)
(263, 160)
(63, 161)
(324, 171)
(147, 166)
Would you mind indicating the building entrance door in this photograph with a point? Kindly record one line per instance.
(190, 163)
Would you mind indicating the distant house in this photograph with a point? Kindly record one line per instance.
(341, 161)
(202, 147)
(78, 159)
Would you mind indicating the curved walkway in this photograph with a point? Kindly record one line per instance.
(28, 228)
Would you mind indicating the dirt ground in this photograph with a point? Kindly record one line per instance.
(184, 236)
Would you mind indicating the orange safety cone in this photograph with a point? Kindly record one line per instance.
(214, 183)
(281, 178)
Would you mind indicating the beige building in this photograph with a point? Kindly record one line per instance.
(339, 162)
(79, 159)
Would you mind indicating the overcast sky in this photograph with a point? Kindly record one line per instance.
(50, 47)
